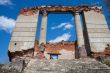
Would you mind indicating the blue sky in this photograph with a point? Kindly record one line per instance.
(60, 26)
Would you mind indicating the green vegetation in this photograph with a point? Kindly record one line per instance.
(107, 62)
(1, 71)
(7, 71)
(1, 65)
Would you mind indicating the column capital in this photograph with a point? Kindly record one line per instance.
(76, 13)
(44, 12)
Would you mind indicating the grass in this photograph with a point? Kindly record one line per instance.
(107, 62)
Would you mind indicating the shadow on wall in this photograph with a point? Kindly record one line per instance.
(86, 38)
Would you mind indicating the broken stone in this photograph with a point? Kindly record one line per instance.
(16, 66)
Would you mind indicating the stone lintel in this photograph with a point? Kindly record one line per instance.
(31, 11)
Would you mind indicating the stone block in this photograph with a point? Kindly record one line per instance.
(16, 34)
(23, 39)
(28, 29)
(97, 26)
(98, 47)
(26, 25)
(94, 18)
(99, 35)
(97, 30)
(99, 40)
(19, 46)
(27, 19)
(31, 16)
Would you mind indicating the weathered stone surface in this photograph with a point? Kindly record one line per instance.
(33, 24)
(24, 39)
(97, 40)
(22, 18)
(20, 46)
(29, 34)
(100, 46)
(24, 29)
(93, 25)
(14, 67)
(98, 30)
(65, 50)
(99, 35)
(82, 52)
(79, 30)
(31, 11)
(26, 19)
(66, 66)
(93, 17)
(43, 29)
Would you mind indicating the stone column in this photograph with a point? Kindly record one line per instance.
(43, 29)
(79, 30)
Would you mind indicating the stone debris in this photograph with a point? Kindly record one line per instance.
(86, 65)
(14, 67)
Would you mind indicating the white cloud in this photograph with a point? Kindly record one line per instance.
(65, 25)
(7, 24)
(65, 37)
(59, 26)
(5, 2)
(68, 26)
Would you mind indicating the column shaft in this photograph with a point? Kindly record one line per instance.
(43, 29)
(79, 30)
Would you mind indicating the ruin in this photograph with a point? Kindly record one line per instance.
(92, 37)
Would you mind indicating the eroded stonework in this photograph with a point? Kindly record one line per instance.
(93, 34)
(64, 50)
